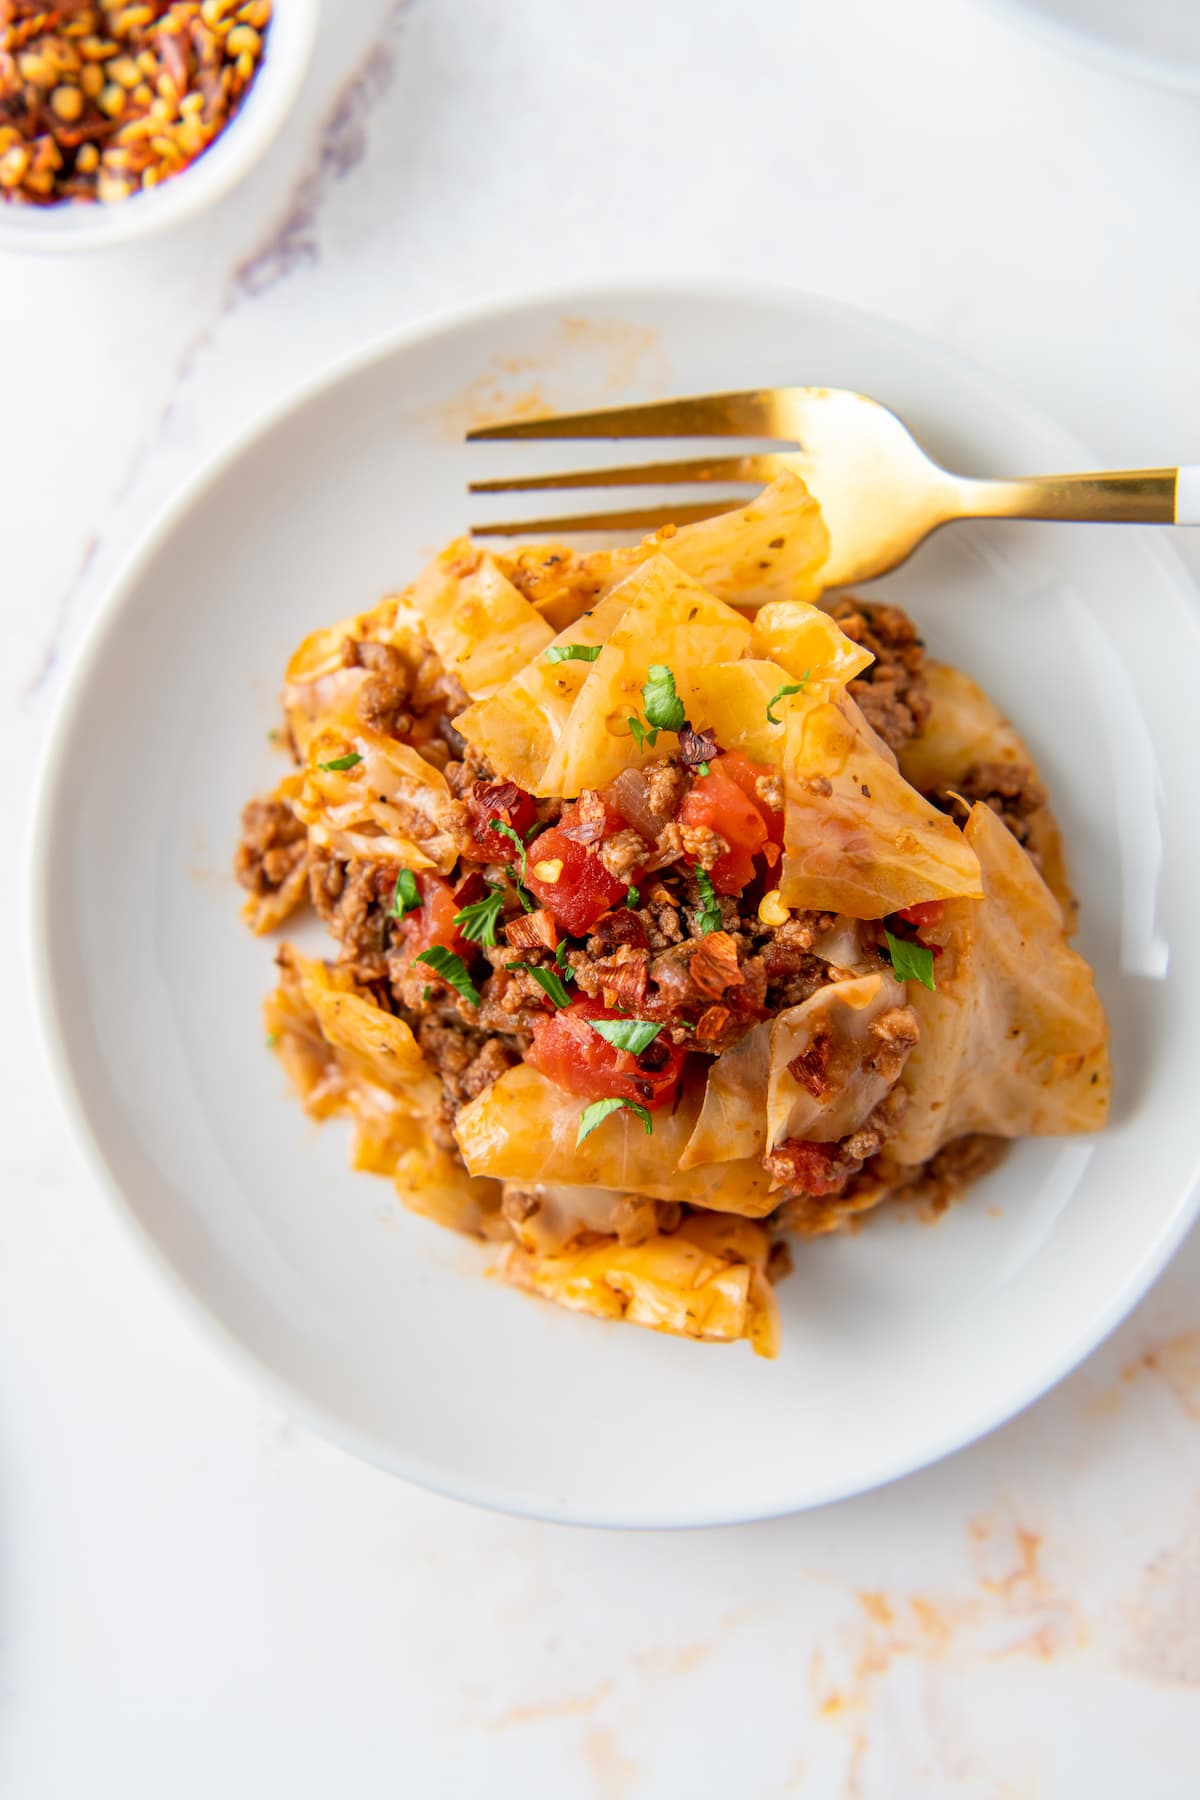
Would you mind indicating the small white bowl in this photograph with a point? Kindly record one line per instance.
(70, 226)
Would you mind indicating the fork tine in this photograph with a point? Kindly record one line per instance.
(638, 518)
(753, 413)
(661, 474)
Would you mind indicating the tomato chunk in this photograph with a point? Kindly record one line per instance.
(497, 802)
(717, 800)
(582, 888)
(433, 921)
(739, 767)
(576, 1058)
(924, 915)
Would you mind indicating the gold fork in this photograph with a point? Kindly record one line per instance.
(878, 491)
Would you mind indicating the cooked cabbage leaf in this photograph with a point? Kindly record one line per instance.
(523, 1129)
(517, 728)
(963, 730)
(771, 549)
(669, 621)
(706, 1280)
(832, 1031)
(390, 806)
(1014, 1041)
(810, 645)
(482, 628)
(321, 690)
(753, 1100)
(857, 838)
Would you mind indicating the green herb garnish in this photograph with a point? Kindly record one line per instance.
(451, 967)
(427, 994)
(573, 652)
(599, 1110)
(704, 768)
(477, 922)
(664, 708)
(710, 911)
(912, 962)
(341, 762)
(560, 957)
(271, 1039)
(632, 897)
(641, 735)
(797, 688)
(547, 980)
(635, 1035)
(508, 832)
(407, 896)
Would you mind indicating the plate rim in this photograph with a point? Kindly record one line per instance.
(51, 1015)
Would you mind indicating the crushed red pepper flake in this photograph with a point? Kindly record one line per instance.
(101, 101)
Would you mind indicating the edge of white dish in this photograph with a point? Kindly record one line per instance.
(52, 772)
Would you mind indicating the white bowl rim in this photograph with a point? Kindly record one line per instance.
(63, 229)
(1101, 51)
(52, 769)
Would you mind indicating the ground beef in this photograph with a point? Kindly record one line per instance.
(352, 898)
(703, 845)
(273, 843)
(467, 1060)
(1011, 789)
(666, 786)
(893, 1035)
(891, 692)
(383, 697)
(622, 853)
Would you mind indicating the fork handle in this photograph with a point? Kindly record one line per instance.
(1123, 497)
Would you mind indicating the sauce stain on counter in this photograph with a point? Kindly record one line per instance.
(1176, 1363)
(1007, 1607)
(1164, 1619)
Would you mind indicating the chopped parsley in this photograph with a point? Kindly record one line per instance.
(527, 900)
(272, 1038)
(451, 967)
(599, 1110)
(477, 922)
(634, 1035)
(797, 687)
(911, 961)
(573, 652)
(704, 768)
(710, 910)
(407, 896)
(427, 994)
(547, 980)
(560, 957)
(641, 735)
(508, 832)
(632, 897)
(664, 708)
(341, 762)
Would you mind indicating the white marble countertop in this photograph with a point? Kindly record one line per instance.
(197, 1598)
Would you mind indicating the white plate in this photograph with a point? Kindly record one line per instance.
(900, 1343)
(1147, 40)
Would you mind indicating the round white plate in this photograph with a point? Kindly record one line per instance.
(1148, 40)
(900, 1343)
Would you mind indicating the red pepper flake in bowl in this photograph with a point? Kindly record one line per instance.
(98, 102)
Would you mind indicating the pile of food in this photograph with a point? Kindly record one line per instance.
(676, 915)
(100, 101)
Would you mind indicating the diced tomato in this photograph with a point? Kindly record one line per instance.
(433, 922)
(719, 801)
(573, 1056)
(582, 889)
(738, 766)
(500, 802)
(924, 915)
